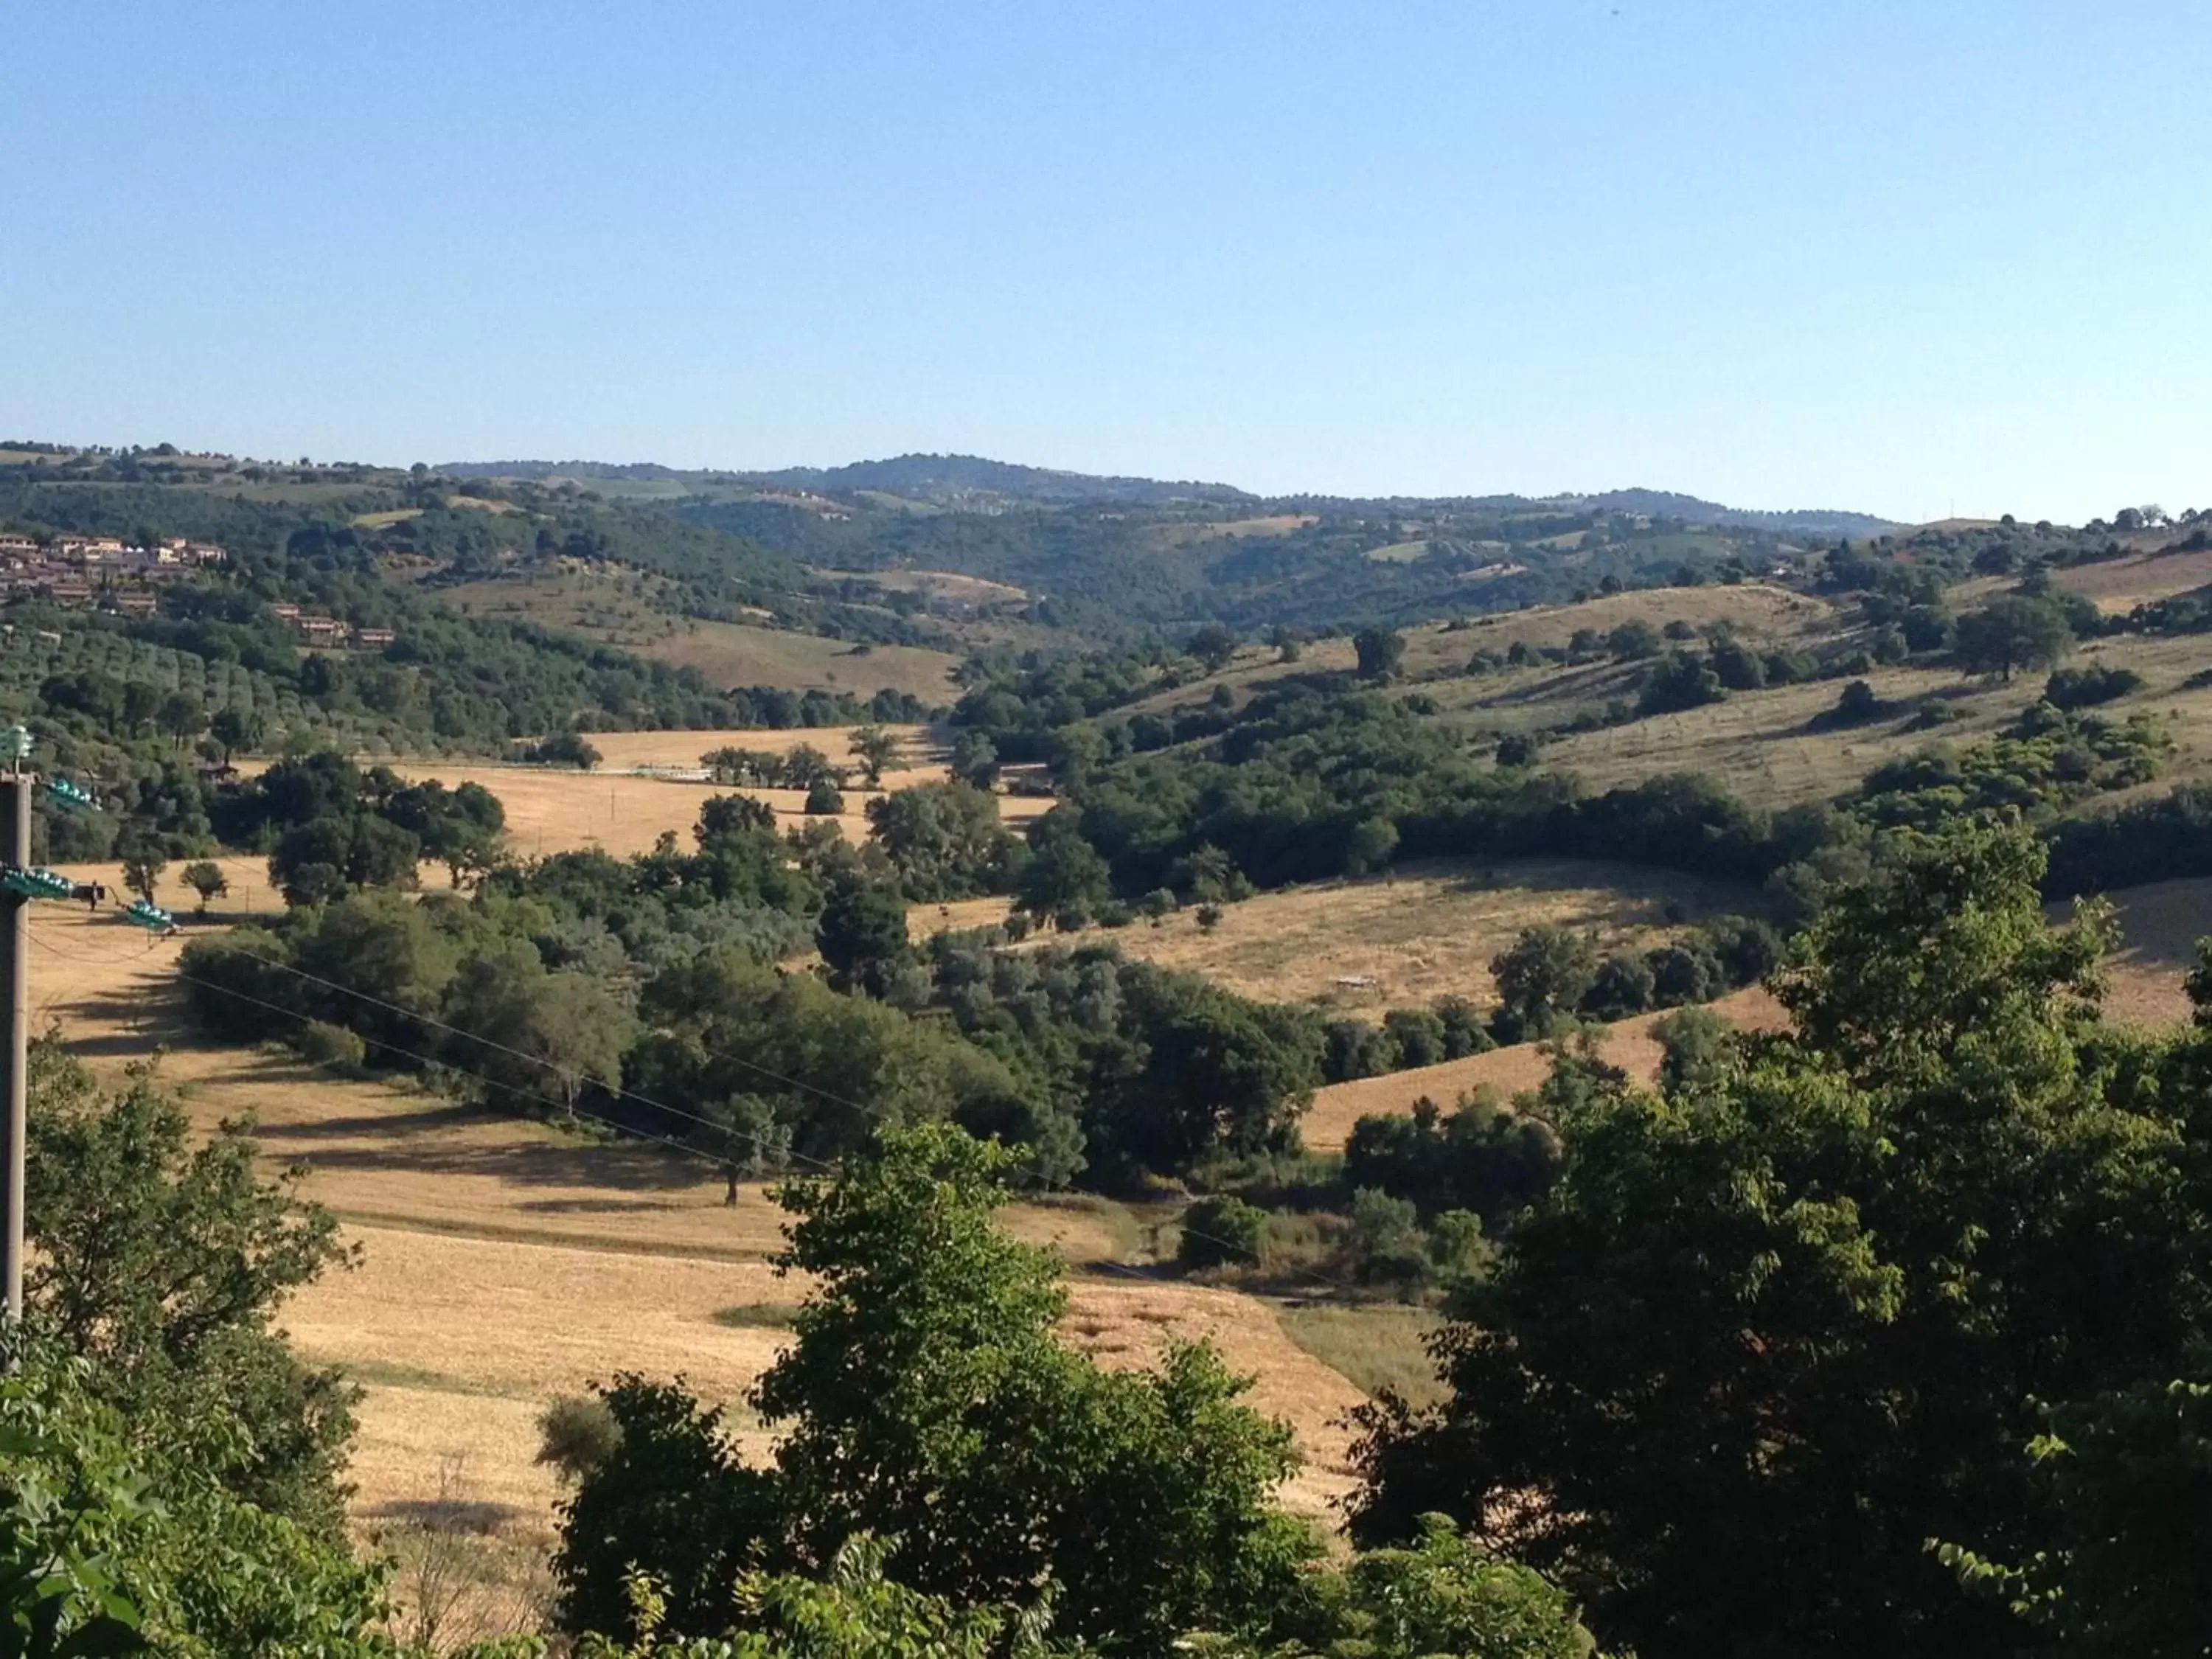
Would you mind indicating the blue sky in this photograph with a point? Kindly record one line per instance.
(1904, 257)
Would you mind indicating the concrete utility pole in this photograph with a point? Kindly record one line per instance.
(20, 884)
(15, 1104)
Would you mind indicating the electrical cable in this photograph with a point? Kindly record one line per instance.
(757, 1141)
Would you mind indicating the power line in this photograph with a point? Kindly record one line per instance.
(759, 1143)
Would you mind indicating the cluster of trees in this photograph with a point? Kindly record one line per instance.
(644, 991)
(1819, 1288)
(2048, 761)
(448, 680)
(330, 828)
(926, 1404)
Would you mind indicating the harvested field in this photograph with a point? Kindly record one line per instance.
(1628, 1044)
(2118, 586)
(614, 606)
(925, 920)
(1427, 930)
(505, 1262)
(950, 586)
(2160, 926)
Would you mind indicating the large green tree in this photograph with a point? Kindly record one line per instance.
(1770, 1333)
(926, 1400)
(163, 1262)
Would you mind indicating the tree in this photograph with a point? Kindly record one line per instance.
(1544, 976)
(1678, 681)
(2131, 1478)
(1633, 641)
(1065, 877)
(822, 800)
(975, 760)
(1857, 703)
(875, 747)
(181, 716)
(1444, 1594)
(206, 878)
(1214, 645)
(925, 1400)
(115, 1536)
(143, 860)
(862, 935)
(1809, 1295)
(362, 849)
(2010, 633)
(1379, 651)
(946, 841)
(538, 1034)
(1223, 1230)
(163, 1263)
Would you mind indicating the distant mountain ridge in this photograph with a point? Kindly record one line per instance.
(1669, 504)
(972, 480)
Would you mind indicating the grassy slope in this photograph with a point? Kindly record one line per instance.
(613, 607)
(1425, 931)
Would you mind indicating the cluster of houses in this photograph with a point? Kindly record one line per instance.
(329, 630)
(104, 573)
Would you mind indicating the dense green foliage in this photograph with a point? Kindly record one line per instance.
(448, 681)
(926, 1400)
(163, 1263)
(1949, 1194)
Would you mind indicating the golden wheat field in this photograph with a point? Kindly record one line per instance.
(616, 608)
(1628, 1045)
(616, 809)
(503, 1262)
(1426, 930)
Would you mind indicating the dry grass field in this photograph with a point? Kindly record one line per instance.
(504, 1262)
(549, 809)
(1276, 524)
(1759, 611)
(2118, 585)
(946, 585)
(1425, 931)
(1628, 1044)
(2160, 925)
(614, 607)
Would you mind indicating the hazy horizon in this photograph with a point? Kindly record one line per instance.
(1891, 260)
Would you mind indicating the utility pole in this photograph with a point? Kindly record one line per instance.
(20, 883)
(15, 1104)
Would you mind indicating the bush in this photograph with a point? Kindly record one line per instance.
(1223, 1231)
(1385, 1237)
(319, 1044)
(1209, 916)
(822, 800)
(1857, 702)
(577, 1435)
(2082, 687)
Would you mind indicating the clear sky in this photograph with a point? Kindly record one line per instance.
(1895, 255)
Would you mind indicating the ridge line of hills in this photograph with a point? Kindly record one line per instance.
(955, 479)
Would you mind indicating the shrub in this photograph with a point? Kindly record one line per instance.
(1385, 1236)
(577, 1435)
(1858, 701)
(2081, 688)
(1209, 916)
(319, 1044)
(1222, 1232)
(822, 800)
